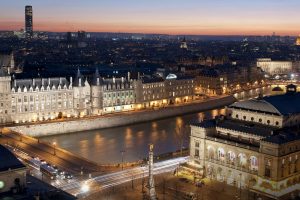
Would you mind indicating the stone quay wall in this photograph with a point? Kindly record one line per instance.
(121, 119)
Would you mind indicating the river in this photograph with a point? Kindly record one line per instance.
(105, 145)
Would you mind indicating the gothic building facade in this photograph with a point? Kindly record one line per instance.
(40, 99)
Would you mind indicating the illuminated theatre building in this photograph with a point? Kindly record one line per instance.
(40, 99)
(256, 146)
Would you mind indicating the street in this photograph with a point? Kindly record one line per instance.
(89, 186)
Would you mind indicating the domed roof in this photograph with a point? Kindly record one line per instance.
(171, 76)
(256, 105)
(286, 104)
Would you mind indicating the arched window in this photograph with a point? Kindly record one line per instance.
(260, 120)
(242, 159)
(211, 152)
(221, 154)
(268, 121)
(252, 118)
(231, 156)
(237, 116)
(244, 117)
(253, 163)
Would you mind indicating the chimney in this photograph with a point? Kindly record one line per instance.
(114, 80)
(60, 80)
(122, 79)
(71, 80)
(98, 81)
(79, 84)
(128, 76)
(33, 82)
(15, 83)
(49, 81)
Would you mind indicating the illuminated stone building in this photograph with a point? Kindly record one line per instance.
(179, 89)
(81, 95)
(298, 41)
(183, 44)
(256, 146)
(40, 99)
(151, 92)
(112, 95)
(226, 79)
(274, 67)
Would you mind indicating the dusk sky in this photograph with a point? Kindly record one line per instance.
(217, 17)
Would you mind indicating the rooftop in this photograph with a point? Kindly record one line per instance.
(246, 127)
(283, 136)
(8, 160)
(285, 104)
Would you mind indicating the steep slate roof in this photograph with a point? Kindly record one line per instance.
(39, 82)
(76, 79)
(152, 80)
(96, 75)
(8, 160)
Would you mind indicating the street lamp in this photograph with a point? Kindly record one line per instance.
(54, 145)
(85, 188)
(122, 152)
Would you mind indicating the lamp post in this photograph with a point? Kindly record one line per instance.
(54, 150)
(122, 152)
(240, 185)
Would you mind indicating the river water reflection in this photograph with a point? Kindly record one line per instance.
(105, 145)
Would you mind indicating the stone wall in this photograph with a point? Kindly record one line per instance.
(108, 121)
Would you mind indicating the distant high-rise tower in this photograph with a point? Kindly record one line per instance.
(28, 21)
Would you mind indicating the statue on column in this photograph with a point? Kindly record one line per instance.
(152, 193)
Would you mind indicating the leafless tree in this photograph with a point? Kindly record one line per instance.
(181, 134)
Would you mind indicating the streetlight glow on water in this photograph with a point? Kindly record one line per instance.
(104, 146)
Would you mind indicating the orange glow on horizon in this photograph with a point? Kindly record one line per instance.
(187, 29)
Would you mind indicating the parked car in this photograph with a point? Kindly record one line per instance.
(68, 176)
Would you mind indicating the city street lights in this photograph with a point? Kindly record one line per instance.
(122, 152)
(54, 150)
(85, 188)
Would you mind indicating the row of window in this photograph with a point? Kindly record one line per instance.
(42, 106)
(117, 94)
(153, 86)
(19, 90)
(252, 119)
(36, 98)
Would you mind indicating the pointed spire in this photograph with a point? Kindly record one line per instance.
(78, 79)
(78, 73)
(96, 77)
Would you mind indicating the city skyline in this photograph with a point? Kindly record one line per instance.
(216, 17)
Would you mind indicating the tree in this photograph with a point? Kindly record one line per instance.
(181, 134)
